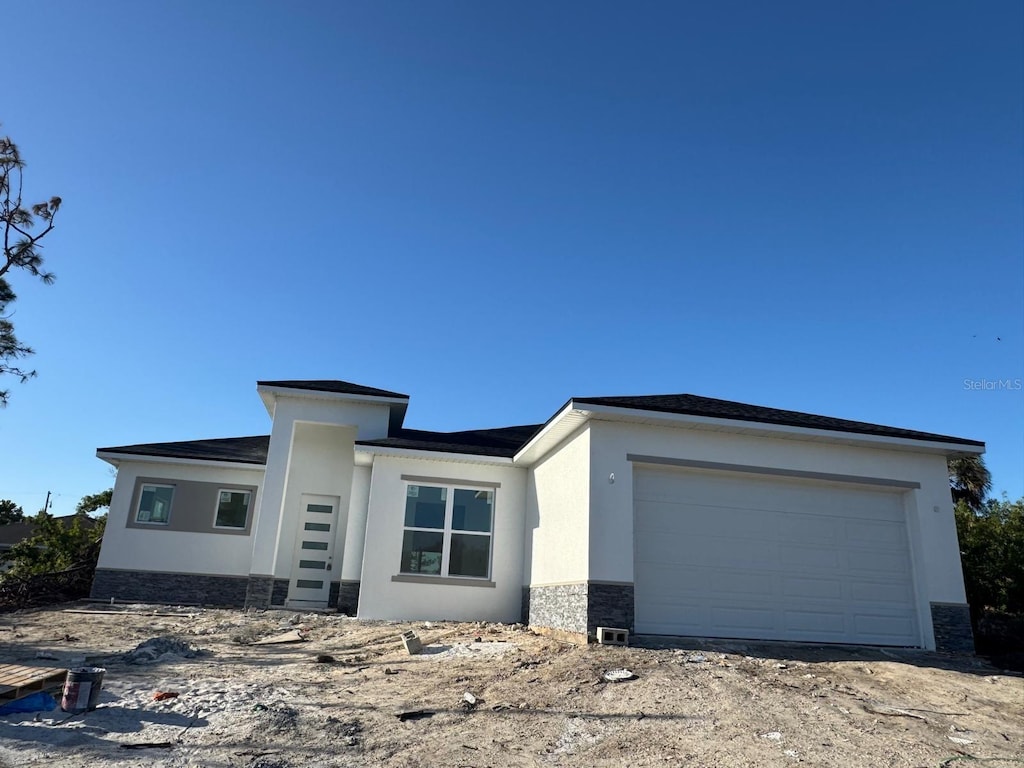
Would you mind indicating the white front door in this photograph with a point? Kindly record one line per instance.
(313, 561)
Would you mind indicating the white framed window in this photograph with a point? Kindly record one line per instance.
(447, 531)
(232, 508)
(154, 504)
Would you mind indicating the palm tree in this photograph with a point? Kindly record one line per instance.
(969, 480)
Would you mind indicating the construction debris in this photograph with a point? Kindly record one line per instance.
(412, 643)
(49, 588)
(618, 675)
(17, 681)
(148, 745)
(295, 636)
(531, 699)
(162, 649)
(413, 714)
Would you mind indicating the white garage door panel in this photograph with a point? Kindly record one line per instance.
(810, 621)
(729, 555)
(811, 589)
(718, 521)
(878, 592)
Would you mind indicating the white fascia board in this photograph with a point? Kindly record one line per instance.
(615, 413)
(269, 397)
(316, 394)
(116, 458)
(412, 453)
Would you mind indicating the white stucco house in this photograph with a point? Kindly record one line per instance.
(668, 514)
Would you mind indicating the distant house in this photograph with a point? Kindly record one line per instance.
(15, 533)
(666, 514)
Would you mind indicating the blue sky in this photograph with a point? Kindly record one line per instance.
(494, 207)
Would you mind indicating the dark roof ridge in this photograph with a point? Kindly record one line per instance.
(699, 405)
(336, 386)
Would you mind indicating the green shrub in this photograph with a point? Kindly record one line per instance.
(992, 553)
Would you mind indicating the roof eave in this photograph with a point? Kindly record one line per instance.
(115, 458)
(564, 421)
(269, 394)
(573, 414)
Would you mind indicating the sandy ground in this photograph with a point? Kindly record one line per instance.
(539, 702)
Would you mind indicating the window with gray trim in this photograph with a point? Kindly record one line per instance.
(154, 504)
(232, 508)
(447, 531)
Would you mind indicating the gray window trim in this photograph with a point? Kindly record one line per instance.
(774, 471)
(455, 581)
(448, 481)
(193, 508)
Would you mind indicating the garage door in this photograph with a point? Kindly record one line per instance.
(748, 556)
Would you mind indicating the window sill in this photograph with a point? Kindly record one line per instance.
(409, 578)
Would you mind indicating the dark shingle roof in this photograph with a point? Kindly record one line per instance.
(245, 450)
(694, 405)
(504, 441)
(332, 385)
(507, 441)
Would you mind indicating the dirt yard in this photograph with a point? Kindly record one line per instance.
(538, 702)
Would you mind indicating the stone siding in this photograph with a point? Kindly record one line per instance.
(952, 625)
(258, 591)
(280, 593)
(332, 597)
(609, 605)
(179, 588)
(348, 598)
(561, 606)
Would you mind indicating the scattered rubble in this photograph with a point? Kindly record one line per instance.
(164, 649)
(412, 643)
(294, 636)
(514, 698)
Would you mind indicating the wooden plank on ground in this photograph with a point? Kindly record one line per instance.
(295, 636)
(18, 681)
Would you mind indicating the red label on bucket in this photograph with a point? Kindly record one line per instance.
(82, 689)
(76, 697)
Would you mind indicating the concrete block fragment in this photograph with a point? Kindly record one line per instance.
(411, 642)
(612, 636)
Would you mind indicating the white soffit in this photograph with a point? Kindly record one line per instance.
(365, 454)
(563, 424)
